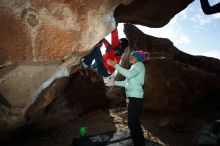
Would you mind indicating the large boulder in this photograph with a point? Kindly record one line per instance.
(46, 31)
(151, 13)
(41, 45)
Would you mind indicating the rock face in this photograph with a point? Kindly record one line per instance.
(45, 31)
(150, 12)
(42, 42)
(81, 94)
(175, 80)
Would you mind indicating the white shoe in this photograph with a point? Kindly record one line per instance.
(84, 65)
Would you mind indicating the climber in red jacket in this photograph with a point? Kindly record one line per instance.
(113, 52)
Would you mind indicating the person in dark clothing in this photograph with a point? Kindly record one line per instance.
(207, 9)
(113, 51)
(96, 55)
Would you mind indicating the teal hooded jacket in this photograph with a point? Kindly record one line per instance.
(134, 81)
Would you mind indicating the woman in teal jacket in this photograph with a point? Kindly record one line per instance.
(133, 85)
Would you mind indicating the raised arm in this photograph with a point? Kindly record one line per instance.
(120, 83)
(127, 73)
(115, 39)
(107, 45)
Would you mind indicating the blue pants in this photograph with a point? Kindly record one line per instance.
(134, 111)
(96, 55)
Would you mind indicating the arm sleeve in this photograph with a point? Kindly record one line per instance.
(127, 73)
(120, 83)
(115, 40)
(106, 43)
(207, 9)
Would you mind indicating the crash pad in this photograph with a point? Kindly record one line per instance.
(111, 138)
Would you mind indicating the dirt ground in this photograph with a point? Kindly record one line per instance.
(168, 130)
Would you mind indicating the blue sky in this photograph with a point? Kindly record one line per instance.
(190, 30)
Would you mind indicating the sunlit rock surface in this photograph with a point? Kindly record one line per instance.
(45, 31)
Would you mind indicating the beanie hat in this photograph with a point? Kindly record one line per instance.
(124, 43)
(140, 55)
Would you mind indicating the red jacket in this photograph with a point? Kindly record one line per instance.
(110, 50)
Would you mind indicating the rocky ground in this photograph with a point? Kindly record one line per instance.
(166, 129)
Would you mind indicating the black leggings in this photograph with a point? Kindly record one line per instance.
(134, 111)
